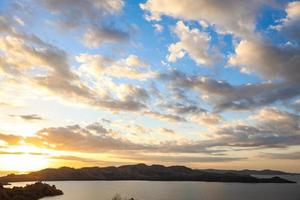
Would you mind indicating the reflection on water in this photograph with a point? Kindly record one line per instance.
(150, 190)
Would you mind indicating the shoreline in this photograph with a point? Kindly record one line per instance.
(129, 180)
(32, 191)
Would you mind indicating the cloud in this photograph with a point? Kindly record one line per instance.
(92, 138)
(127, 97)
(191, 112)
(283, 123)
(269, 128)
(32, 117)
(95, 37)
(95, 138)
(5, 24)
(289, 25)
(282, 156)
(135, 61)
(207, 118)
(91, 15)
(10, 139)
(77, 158)
(128, 83)
(5, 104)
(163, 116)
(72, 13)
(166, 131)
(21, 153)
(28, 60)
(194, 42)
(158, 28)
(182, 159)
(222, 95)
(131, 67)
(267, 60)
(23, 53)
(247, 136)
(295, 105)
(233, 16)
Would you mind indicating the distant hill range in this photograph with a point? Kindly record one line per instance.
(143, 172)
(251, 172)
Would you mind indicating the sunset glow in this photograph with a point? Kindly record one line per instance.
(23, 163)
(205, 84)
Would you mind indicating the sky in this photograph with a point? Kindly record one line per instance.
(201, 83)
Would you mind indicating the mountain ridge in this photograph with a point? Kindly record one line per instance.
(253, 172)
(139, 172)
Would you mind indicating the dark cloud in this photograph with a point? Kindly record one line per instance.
(222, 95)
(77, 158)
(180, 159)
(290, 25)
(73, 13)
(32, 117)
(163, 116)
(93, 16)
(249, 136)
(94, 37)
(93, 138)
(268, 60)
(271, 128)
(282, 156)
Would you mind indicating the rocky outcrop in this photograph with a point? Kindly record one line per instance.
(34, 191)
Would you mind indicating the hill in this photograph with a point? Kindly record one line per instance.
(138, 172)
(251, 172)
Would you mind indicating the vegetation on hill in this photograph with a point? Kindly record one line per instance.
(29, 192)
(139, 172)
(119, 197)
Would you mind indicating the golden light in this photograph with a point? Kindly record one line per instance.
(23, 159)
(23, 163)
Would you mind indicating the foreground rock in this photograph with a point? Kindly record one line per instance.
(29, 192)
(138, 172)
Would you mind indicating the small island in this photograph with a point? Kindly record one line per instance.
(34, 191)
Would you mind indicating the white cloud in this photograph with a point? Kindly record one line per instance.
(135, 61)
(131, 67)
(236, 16)
(158, 27)
(193, 42)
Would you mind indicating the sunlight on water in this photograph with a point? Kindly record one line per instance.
(147, 190)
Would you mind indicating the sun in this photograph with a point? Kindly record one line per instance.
(23, 163)
(22, 160)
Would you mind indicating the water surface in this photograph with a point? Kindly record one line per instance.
(158, 190)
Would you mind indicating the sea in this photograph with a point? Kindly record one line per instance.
(161, 190)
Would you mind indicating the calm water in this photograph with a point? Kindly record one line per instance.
(147, 190)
